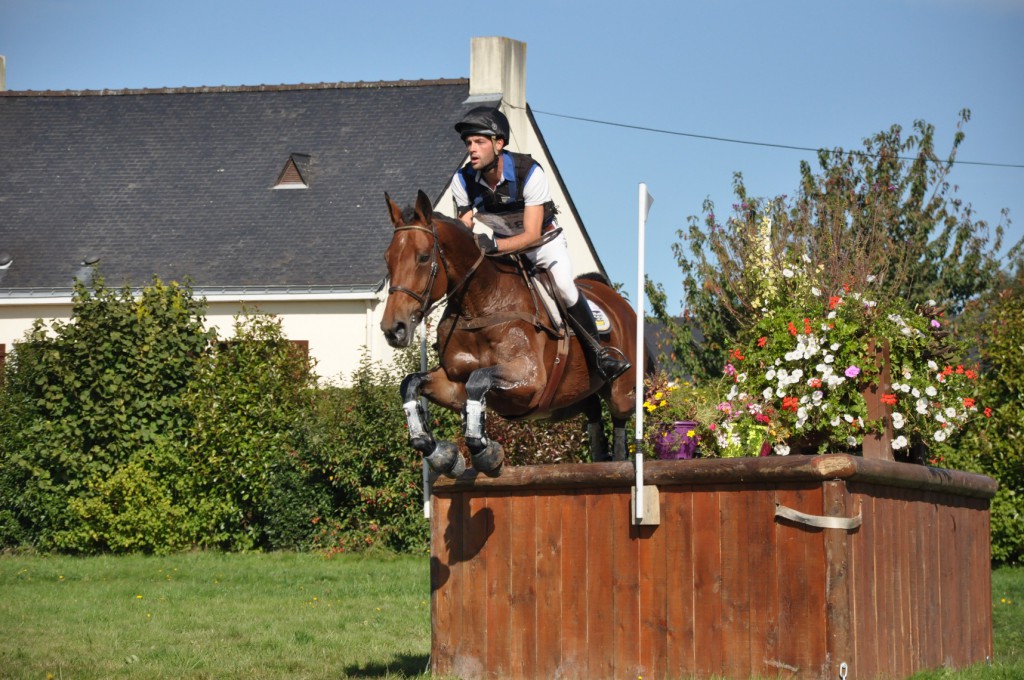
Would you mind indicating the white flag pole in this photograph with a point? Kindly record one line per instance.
(426, 469)
(645, 201)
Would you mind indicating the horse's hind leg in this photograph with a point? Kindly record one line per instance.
(618, 439)
(595, 430)
(443, 457)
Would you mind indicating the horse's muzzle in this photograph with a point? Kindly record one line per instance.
(398, 334)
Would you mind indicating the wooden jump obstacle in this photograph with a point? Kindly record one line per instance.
(541, 572)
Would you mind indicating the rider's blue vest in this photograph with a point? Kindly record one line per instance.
(507, 200)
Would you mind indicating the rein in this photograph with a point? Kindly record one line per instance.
(424, 297)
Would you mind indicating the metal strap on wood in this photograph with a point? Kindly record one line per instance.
(818, 521)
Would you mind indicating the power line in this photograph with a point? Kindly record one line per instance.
(748, 142)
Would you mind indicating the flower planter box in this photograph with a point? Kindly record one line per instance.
(541, 573)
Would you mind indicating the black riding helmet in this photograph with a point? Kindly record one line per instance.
(486, 121)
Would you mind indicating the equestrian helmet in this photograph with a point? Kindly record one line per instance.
(486, 121)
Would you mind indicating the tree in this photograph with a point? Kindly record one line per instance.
(845, 218)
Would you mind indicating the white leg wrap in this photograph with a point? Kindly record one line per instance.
(475, 420)
(412, 418)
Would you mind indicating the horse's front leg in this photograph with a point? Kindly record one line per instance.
(443, 457)
(487, 454)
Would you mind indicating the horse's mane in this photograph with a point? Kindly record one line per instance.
(595, 276)
(409, 216)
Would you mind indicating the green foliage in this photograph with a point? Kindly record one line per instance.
(246, 404)
(86, 396)
(845, 218)
(998, 450)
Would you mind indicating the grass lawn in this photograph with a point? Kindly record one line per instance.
(281, 615)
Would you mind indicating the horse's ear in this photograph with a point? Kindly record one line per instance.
(424, 208)
(394, 211)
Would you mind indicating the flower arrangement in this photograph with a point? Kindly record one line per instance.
(797, 379)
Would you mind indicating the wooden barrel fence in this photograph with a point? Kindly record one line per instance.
(541, 573)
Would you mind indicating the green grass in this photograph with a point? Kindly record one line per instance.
(212, 615)
(281, 615)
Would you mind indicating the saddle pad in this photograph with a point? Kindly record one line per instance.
(603, 325)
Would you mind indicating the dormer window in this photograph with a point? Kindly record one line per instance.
(295, 173)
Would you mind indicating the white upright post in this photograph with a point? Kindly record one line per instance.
(645, 201)
(423, 400)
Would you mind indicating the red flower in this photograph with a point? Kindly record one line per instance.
(948, 370)
(792, 328)
(762, 341)
(988, 412)
(814, 382)
(807, 326)
(790, 404)
(968, 402)
(960, 369)
(971, 375)
(889, 399)
(736, 354)
(834, 301)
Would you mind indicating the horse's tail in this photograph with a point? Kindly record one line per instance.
(595, 276)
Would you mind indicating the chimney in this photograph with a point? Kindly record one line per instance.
(3, 73)
(497, 70)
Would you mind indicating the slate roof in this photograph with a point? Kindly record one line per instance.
(177, 182)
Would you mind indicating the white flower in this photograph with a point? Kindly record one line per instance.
(940, 435)
(896, 387)
(806, 258)
(931, 303)
(817, 396)
(787, 272)
(742, 377)
(779, 392)
(829, 358)
(950, 412)
(733, 391)
(906, 388)
(930, 391)
(815, 291)
(767, 394)
(796, 375)
(835, 422)
(932, 366)
(847, 417)
(770, 375)
(793, 356)
(899, 443)
(831, 315)
(916, 393)
(834, 346)
(898, 421)
(922, 406)
(871, 278)
(851, 441)
(782, 449)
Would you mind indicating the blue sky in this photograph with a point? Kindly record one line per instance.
(793, 72)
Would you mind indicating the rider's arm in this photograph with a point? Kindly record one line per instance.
(536, 193)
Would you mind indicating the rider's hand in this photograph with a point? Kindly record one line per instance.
(487, 244)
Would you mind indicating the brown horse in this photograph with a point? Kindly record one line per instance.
(495, 349)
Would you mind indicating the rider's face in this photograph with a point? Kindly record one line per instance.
(482, 150)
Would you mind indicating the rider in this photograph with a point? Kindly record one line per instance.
(489, 185)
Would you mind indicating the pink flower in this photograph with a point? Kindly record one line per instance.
(852, 372)
(729, 369)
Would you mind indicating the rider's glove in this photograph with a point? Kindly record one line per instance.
(486, 244)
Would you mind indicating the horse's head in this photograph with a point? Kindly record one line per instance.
(415, 269)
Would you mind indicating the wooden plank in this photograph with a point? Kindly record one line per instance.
(734, 512)
(679, 526)
(575, 577)
(498, 585)
(838, 599)
(547, 612)
(601, 567)
(800, 561)
(932, 654)
(526, 578)
(655, 582)
(471, 646)
(625, 588)
(444, 554)
(759, 545)
(707, 582)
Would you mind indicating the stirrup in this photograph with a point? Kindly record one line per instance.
(611, 367)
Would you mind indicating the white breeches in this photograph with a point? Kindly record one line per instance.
(554, 256)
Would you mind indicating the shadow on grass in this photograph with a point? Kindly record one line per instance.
(410, 665)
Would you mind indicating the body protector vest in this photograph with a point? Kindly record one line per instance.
(502, 209)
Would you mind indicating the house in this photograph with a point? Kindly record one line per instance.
(267, 197)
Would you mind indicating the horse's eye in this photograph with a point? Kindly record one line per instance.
(423, 258)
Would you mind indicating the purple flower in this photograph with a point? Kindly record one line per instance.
(729, 369)
(936, 324)
(852, 372)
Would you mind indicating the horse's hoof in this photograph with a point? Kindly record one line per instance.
(446, 460)
(490, 459)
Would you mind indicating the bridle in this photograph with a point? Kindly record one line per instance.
(436, 253)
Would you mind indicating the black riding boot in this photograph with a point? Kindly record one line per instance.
(608, 365)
